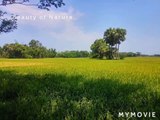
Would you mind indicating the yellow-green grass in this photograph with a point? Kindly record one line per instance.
(79, 88)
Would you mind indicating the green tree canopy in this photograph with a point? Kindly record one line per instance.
(14, 50)
(33, 50)
(35, 44)
(99, 48)
(114, 37)
(7, 24)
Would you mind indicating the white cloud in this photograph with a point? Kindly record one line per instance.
(62, 31)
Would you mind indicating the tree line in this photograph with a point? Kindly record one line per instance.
(73, 54)
(35, 49)
(107, 48)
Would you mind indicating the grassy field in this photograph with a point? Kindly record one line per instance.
(78, 89)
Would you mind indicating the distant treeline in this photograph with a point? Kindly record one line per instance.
(73, 54)
(36, 50)
(137, 54)
(33, 50)
(129, 54)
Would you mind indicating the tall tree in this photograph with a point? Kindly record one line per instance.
(114, 37)
(35, 44)
(37, 50)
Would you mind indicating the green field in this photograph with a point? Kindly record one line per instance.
(78, 89)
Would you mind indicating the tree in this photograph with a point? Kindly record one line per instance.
(114, 37)
(83, 54)
(10, 24)
(35, 44)
(1, 51)
(51, 53)
(7, 24)
(42, 4)
(138, 53)
(73, 54)
(99, 48)
(14, 50)
(34, 50)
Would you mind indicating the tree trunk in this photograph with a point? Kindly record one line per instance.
(118, 51)
(110, 52)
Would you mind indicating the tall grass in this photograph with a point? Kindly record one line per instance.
(78, 89)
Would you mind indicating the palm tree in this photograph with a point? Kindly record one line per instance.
(114, 37)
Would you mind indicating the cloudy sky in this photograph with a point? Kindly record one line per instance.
(76, 25)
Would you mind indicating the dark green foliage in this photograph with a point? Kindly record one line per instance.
(46, 4)
(42, 4)
(15, 50)
(35, 44)
(7, 24)
(51, 53)
(59, 97)
(129, 54)
(108, 47)
(114, 37)
(73, 54)
(99, 49)
(37, 50)
(1, 51)
(34, 50)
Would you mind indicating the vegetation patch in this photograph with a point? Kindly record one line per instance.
(84, 89)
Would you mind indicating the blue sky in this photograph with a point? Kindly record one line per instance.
(141, 19)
